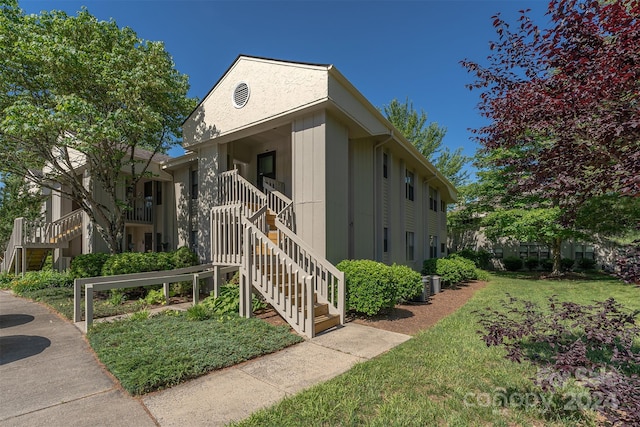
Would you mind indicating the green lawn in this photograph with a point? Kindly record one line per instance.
(149, 354)
(446, 375)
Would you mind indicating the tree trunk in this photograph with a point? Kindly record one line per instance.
(557, 257)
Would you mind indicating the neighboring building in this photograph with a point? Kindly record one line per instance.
(471, 237)
(288, 170)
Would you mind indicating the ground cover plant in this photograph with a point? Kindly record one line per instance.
(148, 353)
(587, 351)
(447, 375)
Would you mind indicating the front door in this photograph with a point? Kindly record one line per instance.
(266, 167)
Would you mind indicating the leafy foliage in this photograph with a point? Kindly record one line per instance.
(35, 280)
(370, 288)
(88, 265)
(512, 263)
(568, 93)
(408, 282)
(75, 90)
(629, 264)
(453, 269)
(16, 200)
(427, 138)
(594, 345)
(228, 301)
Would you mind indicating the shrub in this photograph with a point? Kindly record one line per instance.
(228, 301)
(466, 267)
(512, 263)
(408, 282)
(429, 266)
(482, 275)
(369, 286)
(155, 297)
(481, 258)
(184, 257)
(6, 279)
(546, 264)
(531, 263)
(449, 271)
(594, 345)
(586, 264)
(88, 265)
(34, 280)
(566, 264)
(628, 264)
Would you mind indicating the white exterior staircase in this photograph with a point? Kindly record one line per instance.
(32, 240)
(256, 232)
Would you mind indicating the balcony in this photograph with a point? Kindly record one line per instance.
(141, 211)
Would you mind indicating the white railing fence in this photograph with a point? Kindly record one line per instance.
(270, 184)
(328, 281)
(14, 241)
(281, 282)
(234, 189)
(226, 234)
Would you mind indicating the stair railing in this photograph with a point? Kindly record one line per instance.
(226, 234)
(283, 207)
(67, 227)
(14, 242)
(279, 280)
(234, 189)
(272, 184)
(329, 283)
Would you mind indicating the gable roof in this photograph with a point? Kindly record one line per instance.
(330, 89)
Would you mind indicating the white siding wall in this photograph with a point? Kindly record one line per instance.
(211, 161)
(309, 179)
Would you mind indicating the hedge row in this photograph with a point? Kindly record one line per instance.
(94, 265)
(453, 269)
(372, 287)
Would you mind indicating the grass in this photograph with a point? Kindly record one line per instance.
(446, 375)
(151, 353)
(148, 354)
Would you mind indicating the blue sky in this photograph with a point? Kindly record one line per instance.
(387, 49)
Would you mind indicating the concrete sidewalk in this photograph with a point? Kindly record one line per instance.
(49, 376)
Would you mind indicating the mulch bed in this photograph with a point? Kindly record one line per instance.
(409, 318)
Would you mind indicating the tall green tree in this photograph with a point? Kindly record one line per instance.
(17, 200)
(427, 138)
(78, 94)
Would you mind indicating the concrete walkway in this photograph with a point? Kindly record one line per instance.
(50, 376)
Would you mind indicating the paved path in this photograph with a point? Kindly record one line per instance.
(49, 376)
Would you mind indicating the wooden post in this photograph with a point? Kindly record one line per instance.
(88, 306)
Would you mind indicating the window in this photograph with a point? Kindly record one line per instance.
(148, 194)
(433, 199)
(584, 251)
(194, 184)
(385, 165)
(498, 253)
(158, 193)
(409, 178)
(193, 244)
(443, 248)
(433, 246)
(410, 246)
(386, 240)
(443, 206)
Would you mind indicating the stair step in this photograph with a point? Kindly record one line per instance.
(326, 321)
(320, 309)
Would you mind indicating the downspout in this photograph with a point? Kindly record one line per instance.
(376, 194)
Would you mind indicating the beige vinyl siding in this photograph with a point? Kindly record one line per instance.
(308, 145)
(180, 235)
(385, 215)
(362, 195)
(337, 192)
(211, 161)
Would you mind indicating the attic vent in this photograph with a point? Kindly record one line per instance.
(240, 95)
